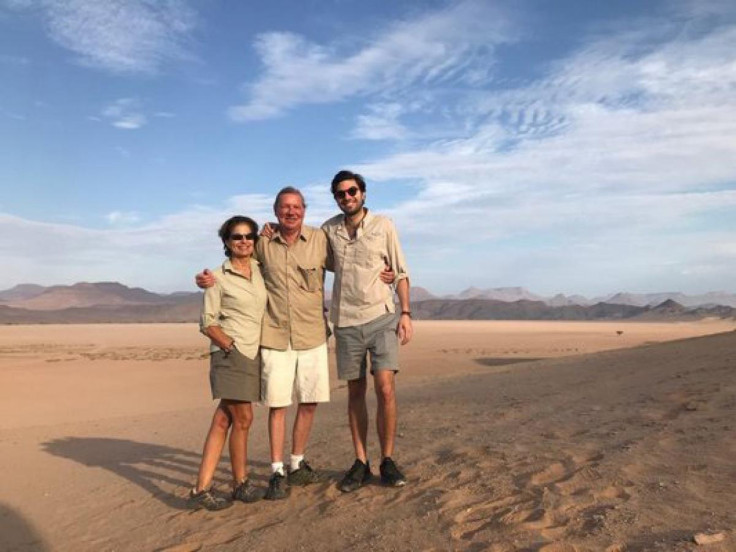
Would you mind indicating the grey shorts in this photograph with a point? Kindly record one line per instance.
(376, 339)
(234, 376)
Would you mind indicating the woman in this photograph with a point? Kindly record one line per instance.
(231, 317)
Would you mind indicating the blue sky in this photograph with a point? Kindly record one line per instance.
(568, 146)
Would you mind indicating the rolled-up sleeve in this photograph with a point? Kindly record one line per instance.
(211, 304)
(396, 254)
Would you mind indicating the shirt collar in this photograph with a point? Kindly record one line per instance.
(368, 216)
(304, 234)
(228, 265)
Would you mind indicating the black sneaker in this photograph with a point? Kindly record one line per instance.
(246, 492)
(304, 475)
(357, 476)
(277, 487)
(206, 499)
(390, 474)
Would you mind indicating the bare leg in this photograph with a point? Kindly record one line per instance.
(277, 432)
(241, 414)
(383, 382)
(302, 427)
(213, 445)
(358, 417)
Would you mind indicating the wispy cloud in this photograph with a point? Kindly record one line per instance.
(122, 36)
(177, 244)
(381, 123)
(117, 218)
(7, 59)
(125, 113)
(452, 45)
(620, 147)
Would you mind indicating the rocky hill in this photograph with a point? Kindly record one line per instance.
(113, 302)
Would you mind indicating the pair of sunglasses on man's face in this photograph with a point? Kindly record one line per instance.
(352, 192)
(240, 237)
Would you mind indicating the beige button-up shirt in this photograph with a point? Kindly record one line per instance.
(236, 304)
(358, 295)
(294, 279)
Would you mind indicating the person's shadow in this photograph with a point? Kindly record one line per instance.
(18, 534)
(145, 464)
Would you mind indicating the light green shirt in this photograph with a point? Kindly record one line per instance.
(236, 304)
(358, 294)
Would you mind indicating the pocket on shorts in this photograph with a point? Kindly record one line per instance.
(221, 360)
(310, 278)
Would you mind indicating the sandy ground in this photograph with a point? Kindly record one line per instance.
(534, 436)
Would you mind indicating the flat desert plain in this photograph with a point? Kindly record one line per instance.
(533, 436)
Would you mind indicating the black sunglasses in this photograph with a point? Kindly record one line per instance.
(238, 237)
(352, 192)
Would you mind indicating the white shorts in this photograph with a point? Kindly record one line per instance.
(285, 373)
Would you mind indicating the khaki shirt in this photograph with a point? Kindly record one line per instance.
(294, 279)
(236, 304)
(358, 294)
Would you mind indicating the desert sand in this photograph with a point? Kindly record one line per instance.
(534, 436)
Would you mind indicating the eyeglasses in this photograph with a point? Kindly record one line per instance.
(352, 192)
(238, 237)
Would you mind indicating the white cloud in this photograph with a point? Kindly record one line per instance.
(125, 113)
(120, 218)
(7, 59)
(453, 45)
(122, 36)
(381, 124)
(619, 161)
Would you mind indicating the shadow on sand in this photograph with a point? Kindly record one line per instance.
(497, 361)
(150, 466)
(17, 534)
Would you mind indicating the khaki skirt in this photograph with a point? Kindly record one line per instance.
(235, 377)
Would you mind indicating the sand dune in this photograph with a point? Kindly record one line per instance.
(509, 443)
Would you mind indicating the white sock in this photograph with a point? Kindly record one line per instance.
(277, 467)
(295, 459)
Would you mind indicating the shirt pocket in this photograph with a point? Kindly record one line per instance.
(370, 250)
(310, 278)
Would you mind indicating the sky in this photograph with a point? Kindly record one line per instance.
(566, 147)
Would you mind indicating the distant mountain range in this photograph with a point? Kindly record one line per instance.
(511, 294)
(114, 302)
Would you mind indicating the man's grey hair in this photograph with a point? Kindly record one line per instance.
(288, 190)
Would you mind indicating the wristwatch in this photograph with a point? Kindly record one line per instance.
(407, 313)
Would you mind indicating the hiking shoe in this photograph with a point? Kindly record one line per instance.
(206, 499)
(357, 476)
(304, 475)
(390, 474)
(277, 487)
(246, 492)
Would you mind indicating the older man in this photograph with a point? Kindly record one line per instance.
(365, 321)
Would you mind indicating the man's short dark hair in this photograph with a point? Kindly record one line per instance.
(347, 175)
(288, 190)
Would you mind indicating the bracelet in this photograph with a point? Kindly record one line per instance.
(407, 313)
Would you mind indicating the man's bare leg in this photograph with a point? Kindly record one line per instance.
(384, 384)
(277, 432)
(302, 427)
(358, 417)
